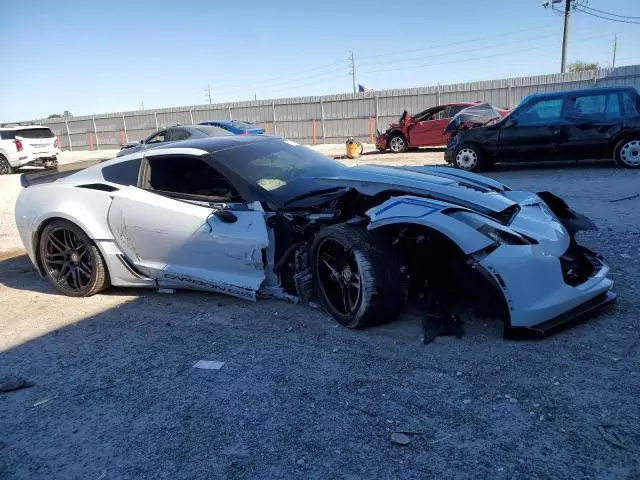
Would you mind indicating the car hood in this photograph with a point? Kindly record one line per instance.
(441, 183)
(525, 212)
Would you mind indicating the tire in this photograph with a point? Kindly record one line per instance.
(343, 256)
(468, 157)
(397, 143)
(627, 153)
(71, 261)
(5, 166)
(53, 165)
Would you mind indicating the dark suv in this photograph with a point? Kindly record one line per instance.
(573, 125)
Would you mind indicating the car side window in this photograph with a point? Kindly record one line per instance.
(598, 105)
(181, 174)
(177, 134)
(453, 110)
(123, 173)
(630, 104)
(541, 112)
(157, 138)
(435, 115)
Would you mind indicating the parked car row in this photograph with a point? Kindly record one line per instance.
(571, 125)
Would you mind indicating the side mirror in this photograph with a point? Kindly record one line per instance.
(510, 122)
(225, 216)
(141, 141)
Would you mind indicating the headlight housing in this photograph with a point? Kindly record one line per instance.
(491, 229)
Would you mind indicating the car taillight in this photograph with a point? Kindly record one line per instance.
(18, 145)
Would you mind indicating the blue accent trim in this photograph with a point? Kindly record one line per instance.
(432, 208)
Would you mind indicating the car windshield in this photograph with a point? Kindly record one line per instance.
(212, 131)
(244, 125)
(282, 168)
(35, 133)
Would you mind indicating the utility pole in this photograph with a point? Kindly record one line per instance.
(141, 104)
(615, 47)
(565, 35)
(353, 71)
(207, 93)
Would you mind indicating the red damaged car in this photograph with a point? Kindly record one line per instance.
(426, 129)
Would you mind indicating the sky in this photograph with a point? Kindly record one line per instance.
(90, 56)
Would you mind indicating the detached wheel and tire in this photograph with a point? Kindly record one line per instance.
(5, 166)
(358, 282)
(627, 153)
(71, 261)
(468, 157)
(397, 143)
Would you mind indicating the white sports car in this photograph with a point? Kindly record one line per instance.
(262, 216)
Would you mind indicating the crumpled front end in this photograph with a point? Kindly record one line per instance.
(554, 282)
(543, 278)
(381, 141)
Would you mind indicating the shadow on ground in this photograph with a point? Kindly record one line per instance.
(116, 395)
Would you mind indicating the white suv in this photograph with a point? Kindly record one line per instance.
(23, 145)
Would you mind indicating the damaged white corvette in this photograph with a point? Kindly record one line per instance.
(262, 216)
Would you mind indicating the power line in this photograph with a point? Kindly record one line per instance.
(447, 44)
(513, 52)
(607, 18)
(609, 13)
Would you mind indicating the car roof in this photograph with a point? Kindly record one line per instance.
(583, 91)
(22, 127)
(217, 144)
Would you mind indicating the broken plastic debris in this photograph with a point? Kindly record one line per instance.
(209, 364)
(611, 436)
(41, 402)
(11, 384)
(400, 438)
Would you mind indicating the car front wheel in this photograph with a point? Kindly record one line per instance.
(397, 143)
(468, 157)
(627, 154)
(358, 281)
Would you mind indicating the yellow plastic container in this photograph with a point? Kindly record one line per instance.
(353, 150)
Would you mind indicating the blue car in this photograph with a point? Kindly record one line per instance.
(236, 127)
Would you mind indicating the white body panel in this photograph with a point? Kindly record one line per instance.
(179, 243)
(533, 282)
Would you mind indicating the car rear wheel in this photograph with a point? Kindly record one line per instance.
(627, 154)
(468, 157)
(5, 166)
(71, 261)
(358, 281)
(397, 143)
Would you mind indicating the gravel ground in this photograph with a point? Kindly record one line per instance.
(116, 395)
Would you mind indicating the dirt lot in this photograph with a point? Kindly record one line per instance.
(116, 395)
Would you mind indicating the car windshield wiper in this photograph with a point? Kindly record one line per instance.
(315, 193)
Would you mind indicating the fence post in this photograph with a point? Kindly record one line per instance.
(230, 116)
(377, 113)
(124, 124)
(438, 95)
(66, 122)
(509, 95)
(370, 129)
(90, 141)
(191, 116)
(273, 109)
(313, 132)
(324, 135)
(155, 117)
(95, 131)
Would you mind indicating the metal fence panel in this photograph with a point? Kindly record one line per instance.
(302, 119)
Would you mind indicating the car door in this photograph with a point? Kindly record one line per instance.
(186, 226)
(428, 129)
(592, 121)
(532, 133)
